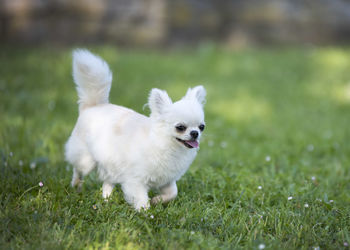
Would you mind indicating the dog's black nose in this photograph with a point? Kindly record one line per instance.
(194, 134)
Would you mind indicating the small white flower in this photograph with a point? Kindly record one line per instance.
(210, 143)
(152, 217)
(290, 197)
(202, 219)
(32, 165)
(11, 154)
(261, 246)
(192, 232)
(313, 178)
(331, 201)
(306, 205)
(94, 207)
(41, 184)
(310, 147)
(259, 187)
(223, 144)
(346, 244)
(20, 163)
(268, 158)
(316, 248)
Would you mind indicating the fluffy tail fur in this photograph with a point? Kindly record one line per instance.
(92, 77)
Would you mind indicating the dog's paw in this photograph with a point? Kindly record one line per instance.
(156, 199)
(107, 190)
(141, 206)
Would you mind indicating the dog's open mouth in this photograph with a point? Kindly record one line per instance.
(189, 143)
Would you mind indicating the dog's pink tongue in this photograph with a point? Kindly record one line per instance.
(193, 144)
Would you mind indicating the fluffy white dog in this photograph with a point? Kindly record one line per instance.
(138, 152)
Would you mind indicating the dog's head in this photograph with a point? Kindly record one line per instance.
(183, 120)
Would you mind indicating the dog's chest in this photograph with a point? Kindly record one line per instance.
(168, 167)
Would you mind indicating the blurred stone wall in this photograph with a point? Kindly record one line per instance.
(67, 21)
(160, 22)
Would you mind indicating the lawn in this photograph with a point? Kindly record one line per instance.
(272, 171)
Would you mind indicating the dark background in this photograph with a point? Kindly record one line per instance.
(156, 23)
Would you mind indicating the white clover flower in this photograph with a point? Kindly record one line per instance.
(261, 246)
(32, 165)
(306, 205)
(41, 184)
(259, 187)
(223, 144)
(313, 178)
(331, 201)
(152, 216)
(290, 198)
(310, 147)
(268, 158)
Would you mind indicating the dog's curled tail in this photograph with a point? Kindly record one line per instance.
(92, 77)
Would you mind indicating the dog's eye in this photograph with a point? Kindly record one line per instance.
(180, 128)
(201, 127)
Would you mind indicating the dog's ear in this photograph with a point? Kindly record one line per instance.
(158, 101)
(198, 93)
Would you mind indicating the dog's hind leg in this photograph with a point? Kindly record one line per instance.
(82, 167)
(78, 155)
(77, 179)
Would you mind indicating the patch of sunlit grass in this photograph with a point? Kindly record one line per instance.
(331, 59)
(341, 93)
(241, 107)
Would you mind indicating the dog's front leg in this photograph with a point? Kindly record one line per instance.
(136, 195)
(168, 193)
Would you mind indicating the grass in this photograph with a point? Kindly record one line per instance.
(277, 127)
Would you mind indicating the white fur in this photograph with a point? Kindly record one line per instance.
(92, 77)
(138, 152)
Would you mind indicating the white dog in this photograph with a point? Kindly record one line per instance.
(138, 152)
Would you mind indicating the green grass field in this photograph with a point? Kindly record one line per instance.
(272, 171)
